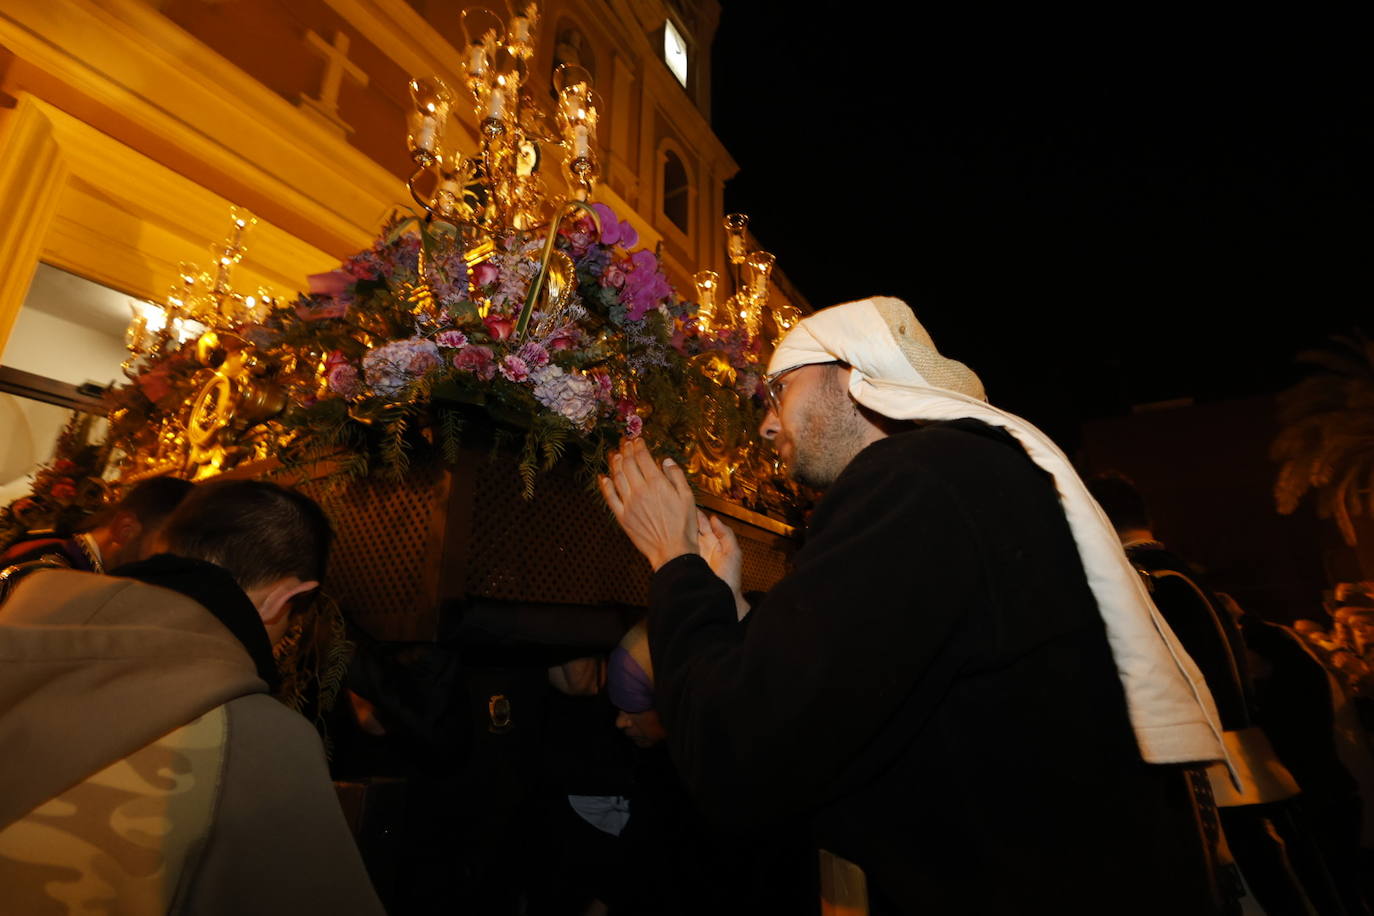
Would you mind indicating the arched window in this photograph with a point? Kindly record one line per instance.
(676, 190)
(572, 47)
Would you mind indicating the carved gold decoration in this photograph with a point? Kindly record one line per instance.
(227, 405)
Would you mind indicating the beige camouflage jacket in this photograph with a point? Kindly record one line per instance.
(146, 770)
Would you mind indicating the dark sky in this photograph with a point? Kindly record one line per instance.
(1092, 212)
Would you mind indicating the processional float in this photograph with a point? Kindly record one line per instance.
(435, 389)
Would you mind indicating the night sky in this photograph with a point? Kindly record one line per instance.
(1093, 213)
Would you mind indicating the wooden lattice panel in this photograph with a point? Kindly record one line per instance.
(764, 563)
(403, 549)
(380, 567)
(562, 546)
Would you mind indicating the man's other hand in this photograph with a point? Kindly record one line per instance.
(652, 502)
(721, 550)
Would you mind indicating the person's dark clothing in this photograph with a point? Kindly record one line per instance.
(676, 864)
(1203, 626)
(1293, 702)
(1271, 859)
(932, 686)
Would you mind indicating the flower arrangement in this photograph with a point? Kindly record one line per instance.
(390, 352)
(66, 490)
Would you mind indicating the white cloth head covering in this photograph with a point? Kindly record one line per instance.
(898, 373)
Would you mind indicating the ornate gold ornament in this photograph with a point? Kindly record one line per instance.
(500, 188)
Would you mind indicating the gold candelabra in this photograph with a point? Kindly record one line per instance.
(500, 186)
(197, 302)
(750, 307)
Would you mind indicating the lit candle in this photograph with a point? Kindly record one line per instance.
(496, 107)
(477, 60)
(424, 137)
(581, 148)
(520, 29)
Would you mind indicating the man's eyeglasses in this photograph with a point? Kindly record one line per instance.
(774, 384)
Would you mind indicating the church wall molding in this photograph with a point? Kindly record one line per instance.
(129, 71)
(32, 175)
(115, 216)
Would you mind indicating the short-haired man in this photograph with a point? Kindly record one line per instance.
(961, 679)
(118, 534)
(147, 766)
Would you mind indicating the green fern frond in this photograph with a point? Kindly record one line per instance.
(394, 451)
(450, 435)
(529, 464)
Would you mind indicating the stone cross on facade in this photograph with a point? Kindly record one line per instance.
(325, 107)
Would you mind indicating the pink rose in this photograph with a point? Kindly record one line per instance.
(514, 369)
(561, 342)
(613, 277)
(499, 327)
(477, 360)
(580, 234)
(625, 408)
(453, 340)
(342, 379)
(485, 274)
(634, 425)
(334, 283)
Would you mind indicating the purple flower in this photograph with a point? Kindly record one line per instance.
(613, 229)
(514, 369)
(453, 340)
(533, 355)
(365, 265)
(645, 286)
(402, 256)
(448, 290)
(392, 366)
(570, 394)
(476, 359)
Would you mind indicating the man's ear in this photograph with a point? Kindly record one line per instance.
(125, 528)
(272, 604)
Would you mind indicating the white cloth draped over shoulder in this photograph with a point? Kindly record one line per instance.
(897, 372)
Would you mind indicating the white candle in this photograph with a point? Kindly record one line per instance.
(581, 147)
(496, 106)
(520, 28)
(424, 137)
(477, 60)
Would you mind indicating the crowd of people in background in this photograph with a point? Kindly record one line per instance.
(936, 691)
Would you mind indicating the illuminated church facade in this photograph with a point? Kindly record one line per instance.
(128, 129)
